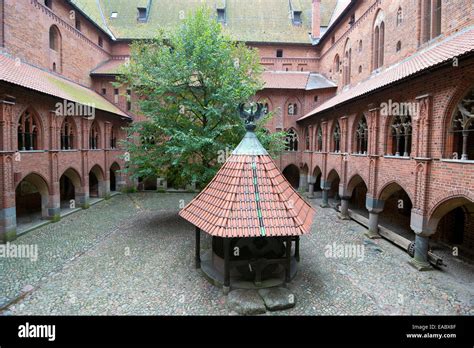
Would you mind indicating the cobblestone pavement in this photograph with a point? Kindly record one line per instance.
(133, 255)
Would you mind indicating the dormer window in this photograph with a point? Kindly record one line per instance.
(142, 14)
(114, 15)
(352, 19)
(221, 15)
(297, 18)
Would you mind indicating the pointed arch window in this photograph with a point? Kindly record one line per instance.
(28, 132)
(94, 137)
(336, 138)
(67, 135)
(362, 136)
(291, 141)
(431, 19)
(378, 44)
(113, 138)
(401, 135)
(462, 129)
(319, 139)
(307, 140)
(54, 39)
(292, 109)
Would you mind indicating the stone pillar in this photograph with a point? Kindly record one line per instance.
(325, 187)
(344, 214)
(374, 206)
(303, 182)
(311, 182)
(420, 260)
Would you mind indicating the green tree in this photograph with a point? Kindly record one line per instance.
(190, 81)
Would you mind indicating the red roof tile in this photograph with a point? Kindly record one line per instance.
(110, 67)
(247, 188)
(25, 75)
(446, 50)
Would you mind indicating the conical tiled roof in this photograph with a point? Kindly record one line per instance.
(249, 197)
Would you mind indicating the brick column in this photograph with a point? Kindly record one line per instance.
(7, 184)
(421, 127)
(54, 197)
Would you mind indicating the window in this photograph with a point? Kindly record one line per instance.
(116, 95)
(431, 19)
(337, 64)
(94, 136)
(28, 132)
(266, 109)
(54, 39)
(114, 15)
(221, 15)
(378, 45)
(279, 53)
(360, 69)
(362, 136)
(291, 141)
(67, 135)
(113, 138)
(319, 139)
(142, 14)
(307, 140)
(78, 24)
(346, 77)
(360, 45)
(129, 100)
(352, 19)
(101, 41)
(49, 4)
(399, 16)
(315, 99)
(336, 138)
(333, 39)
(104, 91)
(297, 18)
(399, 46)
(54, 67)
(401, 136)
(292, 109)
(461, 133)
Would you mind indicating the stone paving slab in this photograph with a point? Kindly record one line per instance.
(133, 255)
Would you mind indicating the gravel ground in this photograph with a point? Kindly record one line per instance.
(133, 255)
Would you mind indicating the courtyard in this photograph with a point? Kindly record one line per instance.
(133, 255)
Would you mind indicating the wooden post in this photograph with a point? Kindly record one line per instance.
(297, 248)
(288, 260)
(226, 265)
(198, 247)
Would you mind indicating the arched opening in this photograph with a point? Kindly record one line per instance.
(148, 184)
(307, 139)
(113, 138)
(94, 136)
(317, 181)
(55, 45)
(292, 174)
(96, 180)
(399, 142)
(358, 192)
(29, 132)
(455, 228)
(69, 184)
(67, 134)
(460, 137)
(291, 140)
(397, 211)
(318, 146)
(361, 137)
(334, 180)
(31, 201)
(378, 41)
(336, 138)
(114, 176)
(347, 64)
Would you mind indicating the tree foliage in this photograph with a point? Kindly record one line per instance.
(190, 81)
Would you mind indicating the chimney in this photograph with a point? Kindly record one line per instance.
(316, 23)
